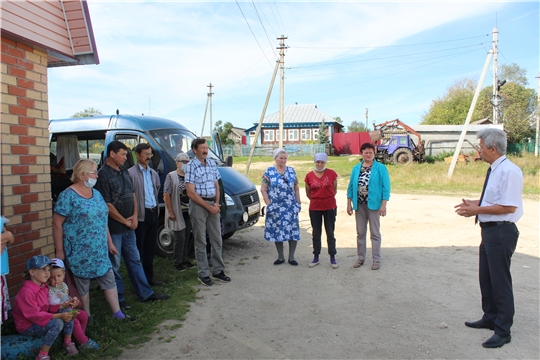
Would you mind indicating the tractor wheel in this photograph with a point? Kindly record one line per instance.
(403, 156)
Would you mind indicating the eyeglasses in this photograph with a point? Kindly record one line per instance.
(92, 172)
(183, 161)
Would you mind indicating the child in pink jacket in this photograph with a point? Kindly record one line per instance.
(31, 309)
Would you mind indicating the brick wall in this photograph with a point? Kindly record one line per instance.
(25, 181)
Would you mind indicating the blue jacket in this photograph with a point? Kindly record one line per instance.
(378, 187)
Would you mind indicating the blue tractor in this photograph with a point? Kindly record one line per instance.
(394, 143)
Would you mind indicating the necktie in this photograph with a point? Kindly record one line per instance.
(483, 192)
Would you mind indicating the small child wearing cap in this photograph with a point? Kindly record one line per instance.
(31, 309)
(60, 301)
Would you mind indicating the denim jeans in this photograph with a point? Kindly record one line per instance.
(49, 332)
(126, 245)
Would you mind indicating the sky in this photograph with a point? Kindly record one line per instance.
(393, 58)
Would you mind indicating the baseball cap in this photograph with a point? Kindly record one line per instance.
(58, 263)
(37, 262)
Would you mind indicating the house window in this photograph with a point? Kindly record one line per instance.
(315, 134)
(284, 135)
(268, 135)
(293, 134)
(305, 134)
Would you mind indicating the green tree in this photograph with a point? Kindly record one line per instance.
(322, 136)
(357, 126)
(88, 112)
(517, 107)
(513, 73)
(224, 129)
(338, 120)
(453, 106)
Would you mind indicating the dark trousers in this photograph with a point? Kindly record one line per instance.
(498, 245)
(146, 234)
(329, 217)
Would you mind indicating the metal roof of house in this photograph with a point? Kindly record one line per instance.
(307, 113)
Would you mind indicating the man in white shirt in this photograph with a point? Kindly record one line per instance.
(500, 206)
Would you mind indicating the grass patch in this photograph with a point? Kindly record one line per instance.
(425, 178)
(113, 335)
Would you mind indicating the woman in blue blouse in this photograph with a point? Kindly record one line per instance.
(281, 194)
(81, 236)
(367, 194)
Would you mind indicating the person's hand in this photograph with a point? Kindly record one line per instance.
(66, 316)
(467, 208)
(349, 209)
(134, 222)
(382, 210)
(214, 209)
(112, 249)
(59, 254)
(172, 216)
(74, 302)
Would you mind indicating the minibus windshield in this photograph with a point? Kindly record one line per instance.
(175, 141)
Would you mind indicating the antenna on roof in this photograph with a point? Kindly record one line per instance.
(117, 112)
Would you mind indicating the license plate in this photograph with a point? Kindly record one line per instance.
(254, 208)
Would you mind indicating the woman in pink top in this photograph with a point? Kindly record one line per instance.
(321, 189)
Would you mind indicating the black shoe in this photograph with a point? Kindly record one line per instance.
(480, 324)
(180, 268)
(155, 282)
(124, 306)
(188, 265)
(279, 262)
(206, 281)
(293, 262)
(222, 277)
(496, 341)
(155, 297)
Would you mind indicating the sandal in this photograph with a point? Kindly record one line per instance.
(375, 266)
(358, 264)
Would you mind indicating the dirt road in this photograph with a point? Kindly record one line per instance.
(413, 307)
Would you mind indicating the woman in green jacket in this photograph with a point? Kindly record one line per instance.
(367, 194)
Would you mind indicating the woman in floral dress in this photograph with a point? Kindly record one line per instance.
(281, 194)
(81, 236)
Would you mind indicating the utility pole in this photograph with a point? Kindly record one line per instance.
(469, 116)
(367, 120)
(208, 100)
(210, 97)
(496, 102)
(281, 48)
(537, 119)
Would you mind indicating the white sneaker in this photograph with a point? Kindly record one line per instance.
(314, 263)
(333, 264)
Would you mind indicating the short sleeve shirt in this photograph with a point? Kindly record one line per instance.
(322, 193)
(117, 189)
(203, 177)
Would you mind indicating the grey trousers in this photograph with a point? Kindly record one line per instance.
(203, 221)
(363, 217)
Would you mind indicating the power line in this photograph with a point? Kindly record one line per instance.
(382, 67)
(252, 33)
(282, 30)
(384, 46)
(384, 57)
(264, 29)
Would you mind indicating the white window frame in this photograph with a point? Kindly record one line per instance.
(284, 133)
(305, 134)
(315, 134)
(293, 135)
(268, 135)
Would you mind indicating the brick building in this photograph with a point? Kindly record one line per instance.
(35, 35)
